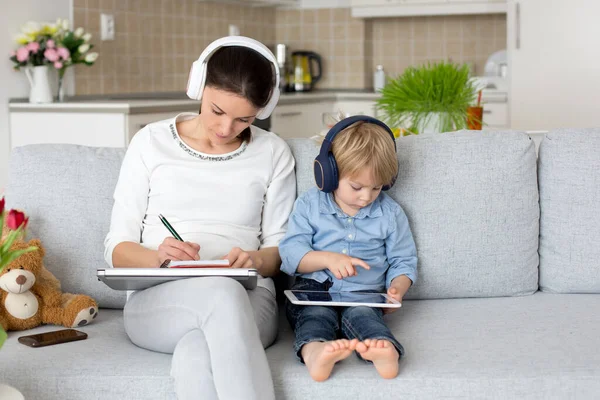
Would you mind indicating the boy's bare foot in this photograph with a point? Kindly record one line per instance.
(320, 357)
(383, 354)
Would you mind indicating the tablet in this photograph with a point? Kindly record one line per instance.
(341, 299)
(143, 278)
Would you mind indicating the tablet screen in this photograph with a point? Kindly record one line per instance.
(345, 297)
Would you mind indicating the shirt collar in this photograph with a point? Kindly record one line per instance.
(327, 205)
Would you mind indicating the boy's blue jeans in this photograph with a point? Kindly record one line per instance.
(323, 324)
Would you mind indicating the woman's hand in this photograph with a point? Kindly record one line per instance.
(175, 250)
(343, 266)
(239, 258)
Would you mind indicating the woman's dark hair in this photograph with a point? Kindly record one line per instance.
(244, 72)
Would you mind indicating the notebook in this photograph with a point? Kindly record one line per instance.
(198, 264)
(143, 278)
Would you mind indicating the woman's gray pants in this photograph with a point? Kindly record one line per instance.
(210, 326)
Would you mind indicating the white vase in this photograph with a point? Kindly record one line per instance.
(39, 79)
(432, 124)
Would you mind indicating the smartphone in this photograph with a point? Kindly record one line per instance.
(54, 337)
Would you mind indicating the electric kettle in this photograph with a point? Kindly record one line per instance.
(304, 65)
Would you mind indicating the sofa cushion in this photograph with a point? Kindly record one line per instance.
(67, 191)
(532, 347)
(472, 201)
(304, 152)
(569, 182)
(104, 366)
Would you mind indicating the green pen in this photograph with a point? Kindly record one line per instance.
(169, 227)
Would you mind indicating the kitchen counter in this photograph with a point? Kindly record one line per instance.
(145, 103)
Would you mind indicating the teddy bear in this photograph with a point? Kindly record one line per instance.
(30, 295)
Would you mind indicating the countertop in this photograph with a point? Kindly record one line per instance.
(142, 103)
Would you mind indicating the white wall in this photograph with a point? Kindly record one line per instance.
(13, 84)
(554, 73)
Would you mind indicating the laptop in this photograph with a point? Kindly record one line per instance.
(143, 278)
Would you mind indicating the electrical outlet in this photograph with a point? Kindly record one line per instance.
(107, 27)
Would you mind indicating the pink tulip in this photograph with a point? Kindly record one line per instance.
(33, 47)
(1, 205)
(63, 52)
(58, 65)
(50, 44)
(22, 54)
(51, 55)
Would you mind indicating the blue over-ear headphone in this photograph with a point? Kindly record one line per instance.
(325, 166)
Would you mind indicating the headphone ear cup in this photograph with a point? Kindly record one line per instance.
(319, 173)
(195, 85)
(268, 110)
(333, 173)
(389, 186)
(325, 171)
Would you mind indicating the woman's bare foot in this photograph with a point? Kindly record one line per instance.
(320, 357)
(383, 354)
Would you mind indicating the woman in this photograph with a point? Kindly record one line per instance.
(227, 188)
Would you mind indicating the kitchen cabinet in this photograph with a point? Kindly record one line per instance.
(356, 107)
(553, 63)
(495, 116)
(113, 122)
(307, 119)
(404, 8)
(261, 3)
(313, 4)
(86, 129)
(300, 120)
(95, 123)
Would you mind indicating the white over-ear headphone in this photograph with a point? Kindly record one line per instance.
(197, 78)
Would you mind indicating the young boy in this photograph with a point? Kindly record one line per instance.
(353, 238)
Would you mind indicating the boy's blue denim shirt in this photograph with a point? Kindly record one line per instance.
(378, 234)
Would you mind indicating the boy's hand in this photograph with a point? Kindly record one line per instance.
(343, 266)
(397, 289)
(394, 294)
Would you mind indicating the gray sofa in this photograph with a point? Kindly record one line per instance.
(507, 303)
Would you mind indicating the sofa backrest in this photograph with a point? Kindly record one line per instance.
(569, 182)
(471, 199)
(67, 191)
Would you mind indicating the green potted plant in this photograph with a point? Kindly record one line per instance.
(429, 98)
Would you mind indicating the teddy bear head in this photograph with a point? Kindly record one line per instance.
(20, 275)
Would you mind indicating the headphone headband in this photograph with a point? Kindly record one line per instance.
(345, 123)
(325, 166)
(197, 77)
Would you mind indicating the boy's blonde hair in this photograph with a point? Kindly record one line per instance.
(365, 145)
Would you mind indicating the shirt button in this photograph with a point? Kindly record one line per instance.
(350, 236)
(344, 251)
(349, 220)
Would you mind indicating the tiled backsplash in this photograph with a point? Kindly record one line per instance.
(400, 42)
(335, 35)
(351, 47)
(157, 41)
